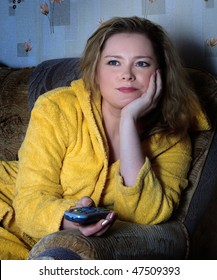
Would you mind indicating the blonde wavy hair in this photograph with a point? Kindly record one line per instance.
(175, 112)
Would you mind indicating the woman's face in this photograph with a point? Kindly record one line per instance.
(124, 69)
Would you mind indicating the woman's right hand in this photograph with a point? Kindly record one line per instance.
(95, 229)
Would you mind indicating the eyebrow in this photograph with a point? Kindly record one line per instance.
(136, 57)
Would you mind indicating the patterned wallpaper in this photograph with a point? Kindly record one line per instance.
(37, 30)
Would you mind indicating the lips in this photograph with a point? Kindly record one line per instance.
(127, 89)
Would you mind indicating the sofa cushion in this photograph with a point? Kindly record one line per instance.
(51, 74)
(196, 197)
(14, 113)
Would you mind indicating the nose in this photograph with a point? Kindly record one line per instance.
(128, 75)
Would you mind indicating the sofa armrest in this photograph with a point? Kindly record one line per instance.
(123, 241)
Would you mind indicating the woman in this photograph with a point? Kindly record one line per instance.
(116, 138)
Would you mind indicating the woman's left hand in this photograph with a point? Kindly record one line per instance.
(132, 156)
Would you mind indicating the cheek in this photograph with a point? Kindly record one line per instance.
(145, 81)
(101, 82)
(104, 78)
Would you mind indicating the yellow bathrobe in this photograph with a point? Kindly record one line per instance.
(65, 156)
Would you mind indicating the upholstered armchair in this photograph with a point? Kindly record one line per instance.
(192, 230)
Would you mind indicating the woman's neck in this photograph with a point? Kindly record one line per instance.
(111, 123)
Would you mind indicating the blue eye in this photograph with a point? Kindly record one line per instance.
(142, 64)
(113, 62)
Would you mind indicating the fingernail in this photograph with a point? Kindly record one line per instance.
(105, 222)
(111, 215)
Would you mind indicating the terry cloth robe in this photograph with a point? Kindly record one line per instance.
(65, 156)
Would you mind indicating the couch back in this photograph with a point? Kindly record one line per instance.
(198, 200)
(51, 74)
(19, 87)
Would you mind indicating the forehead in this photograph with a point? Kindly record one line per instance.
(128, 42)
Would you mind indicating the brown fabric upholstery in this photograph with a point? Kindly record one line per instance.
(123, 241)
(14, 113)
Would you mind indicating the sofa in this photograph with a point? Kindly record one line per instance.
(191, 233)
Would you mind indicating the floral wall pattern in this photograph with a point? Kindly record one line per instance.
(38, 30)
